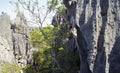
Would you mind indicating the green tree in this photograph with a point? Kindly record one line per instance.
(53, 58)
(42, 58)
(39, 40)
(53, 55)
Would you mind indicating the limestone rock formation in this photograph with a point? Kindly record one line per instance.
(6, 51)
(20, 37)
(95, 25)
(5, 30)
(15, 47)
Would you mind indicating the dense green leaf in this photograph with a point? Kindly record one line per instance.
(10, 68)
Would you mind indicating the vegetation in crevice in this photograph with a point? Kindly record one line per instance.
(54, 52)
(53, 55)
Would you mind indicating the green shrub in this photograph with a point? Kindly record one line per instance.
(10, 68)
(28, 69)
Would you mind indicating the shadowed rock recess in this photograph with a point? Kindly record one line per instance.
(96, 28)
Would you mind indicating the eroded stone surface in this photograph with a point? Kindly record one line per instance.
(15, 47)
(97, 23)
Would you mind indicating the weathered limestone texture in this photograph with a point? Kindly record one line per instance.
(15, 47)
(97, 24)
(6, 51)
(5, 30)
(20, 38)
(6, 54)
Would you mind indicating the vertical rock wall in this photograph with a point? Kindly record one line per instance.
(20, 38)
(15, 47)
(6, 50)
(97, 24)
(5, 30)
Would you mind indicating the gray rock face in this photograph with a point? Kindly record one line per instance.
(6, 50)
(96, 27)
(6, 53)
(14, 41)
(20, 38)
(5, 30)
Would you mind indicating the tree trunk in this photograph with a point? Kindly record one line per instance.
(96, 27)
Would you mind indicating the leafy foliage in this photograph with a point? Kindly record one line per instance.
(10, 68)
(56, 5)
(42, 58)
(54, 53)
(51, 56)
(52, 4)
(67, 57)
(39, 40)
(29, 69)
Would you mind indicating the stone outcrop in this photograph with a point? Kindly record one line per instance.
(95, 25)
(6, 53)
(15, 47)
(5, 30)
(20, 37)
